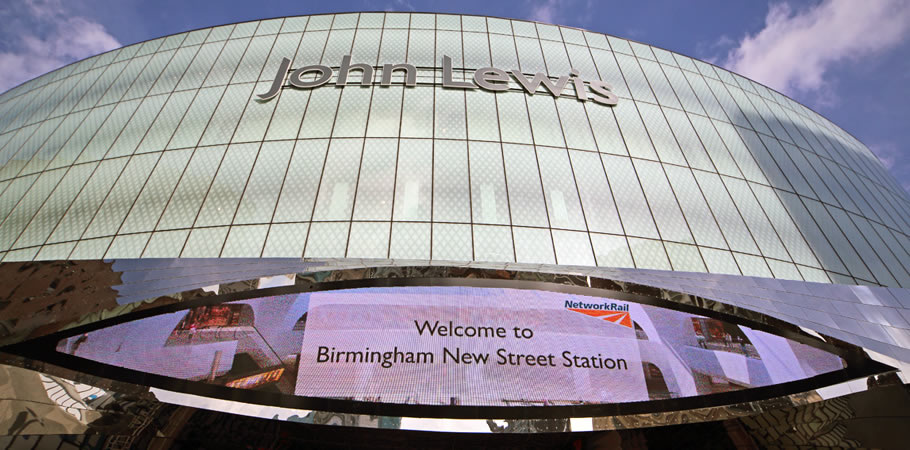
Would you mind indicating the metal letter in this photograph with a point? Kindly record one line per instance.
(279, 80)
(486, 76)
(346, 67)
(325, 73)
(580, 93)
(410, 74)
(531, 85)
(447, 76)
(603, 94)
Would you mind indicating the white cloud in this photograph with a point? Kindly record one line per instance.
(796, 48)
(545, 11)
(42, 35)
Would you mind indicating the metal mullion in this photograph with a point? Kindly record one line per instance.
(598, 152)
(569, 157)
(227, 146)
(660, 161)
(293, 149)
(543, 192)
(691, 170)
(632, 163)
(363, 145)
(183, 172)
(468, 149)
(327, 149)
(398, 140)
(736, 163)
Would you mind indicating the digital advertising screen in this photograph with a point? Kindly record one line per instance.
(454, 345)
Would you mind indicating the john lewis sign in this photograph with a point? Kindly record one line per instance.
(487, 78)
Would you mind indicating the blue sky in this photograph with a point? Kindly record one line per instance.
(847, 59)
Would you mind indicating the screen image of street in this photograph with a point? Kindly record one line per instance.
(451, 345)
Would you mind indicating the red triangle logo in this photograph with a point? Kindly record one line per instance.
(618, 317)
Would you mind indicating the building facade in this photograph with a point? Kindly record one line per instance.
(396, 139)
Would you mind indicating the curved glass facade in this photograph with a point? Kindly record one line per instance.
(163, 149)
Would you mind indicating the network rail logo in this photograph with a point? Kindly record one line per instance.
(613, 312)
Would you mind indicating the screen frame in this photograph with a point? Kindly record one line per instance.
(858, 364)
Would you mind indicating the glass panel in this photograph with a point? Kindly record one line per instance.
(477, 51)
(661, 136)
(174, 71)
(245, 242)
(369, 240)
(377, 177)
(285, 240)
(649, 254)
(301, 182)
(261, 193)
(482, 118)
(685, 258)
(129, 246)
(574, 123)
(336, 191)
(138, 126)
(309, 51)
(191, 191)
(115, 208)
(195, 120)
(573, 248)
(529, 55)
(417, 113)
(255, 118)
(253, 60)
(659, 84)
(197, 71)
(227, 62)
(160, 132)
(205, 243)
(420, 48)
(596, 197)
(611, 251)
(780, 219)
(533, 245)
(692, 149)
(410, 241)
(414, 183)
(523, 178)
(221, 128)
(286, 120)
(544, 121)
(719, 261)
(637, 141)
(355, 105)
(630, 200)
(638, 85)
(320, 113)
(157, 192)
(513, 117)
(494, 243)
(562, 196)
(451, 189)
(83, 209)
(385, 112)
(450, 114)
(452, 242)
(694, 207)
(761, 229)
(222, 197)
(35, 230)
(489, 198)
(664, 206)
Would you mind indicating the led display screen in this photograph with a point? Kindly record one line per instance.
(451, 345)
